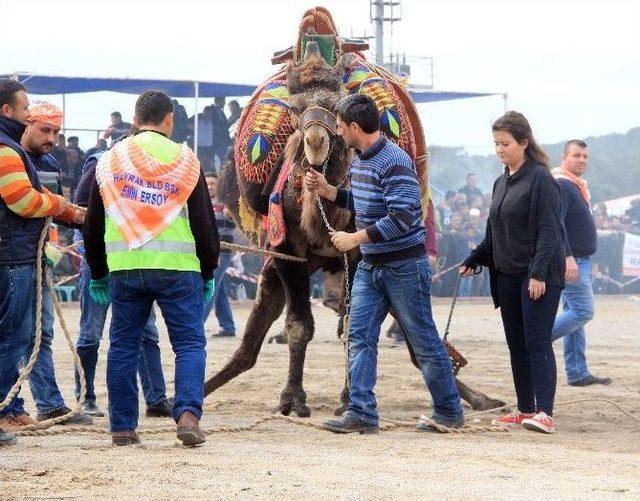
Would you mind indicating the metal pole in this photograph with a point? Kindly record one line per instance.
(195, 117)
(505, 96)
(64, 113)
(378, 17)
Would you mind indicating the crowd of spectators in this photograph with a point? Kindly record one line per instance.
(460, 224)
(215, 131)
(629, 222)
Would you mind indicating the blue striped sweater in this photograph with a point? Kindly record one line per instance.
(385, 195)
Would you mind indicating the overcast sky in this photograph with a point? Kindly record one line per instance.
(572, 67)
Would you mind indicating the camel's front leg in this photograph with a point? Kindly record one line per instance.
(299, 327)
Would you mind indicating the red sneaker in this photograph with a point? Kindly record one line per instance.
(540, 422)
(515, 418)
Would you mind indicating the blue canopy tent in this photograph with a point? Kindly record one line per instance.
(44, 85)
(56, 85)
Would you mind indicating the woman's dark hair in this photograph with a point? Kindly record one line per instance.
(517, 125)
(361, 109)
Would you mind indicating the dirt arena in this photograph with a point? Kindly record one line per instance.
(595, 454)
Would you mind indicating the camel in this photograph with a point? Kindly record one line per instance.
(313, 88)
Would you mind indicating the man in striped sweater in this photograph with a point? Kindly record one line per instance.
(394, 273)
(24, 205)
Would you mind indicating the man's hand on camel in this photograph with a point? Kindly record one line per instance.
(315, 182)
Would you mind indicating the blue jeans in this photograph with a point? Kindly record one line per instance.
(17, 317)
(220, 297)
(405, 289)
(92, 319)
(42, 379)
(179, 296)
(527, 326)
(577, 309)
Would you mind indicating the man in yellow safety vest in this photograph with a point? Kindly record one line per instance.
(150, 235)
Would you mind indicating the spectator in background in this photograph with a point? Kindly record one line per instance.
(117, 128)
(72, 175)
(633, 213)
(580, 244)
(101, 145)
(220, 299)
(477, 202)
(180, 123)
(471, 189)
(73, 144)
(445, 210)
(59, 152)
(234, 112)
(460, 203)
(205, 139)
(221, 139)
(467, 240)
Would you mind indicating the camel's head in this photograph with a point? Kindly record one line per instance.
(315, 89)
(315, 121)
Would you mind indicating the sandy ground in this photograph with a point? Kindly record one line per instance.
(594, 455)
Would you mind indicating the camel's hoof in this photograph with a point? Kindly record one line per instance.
(300, 410)
(283, 408)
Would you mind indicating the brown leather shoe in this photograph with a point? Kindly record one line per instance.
(17, 421)
(189, 431)
(121, 438)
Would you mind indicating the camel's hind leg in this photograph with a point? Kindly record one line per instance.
(266, 309)
(476, 399)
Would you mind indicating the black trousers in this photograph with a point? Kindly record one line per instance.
(527, 326)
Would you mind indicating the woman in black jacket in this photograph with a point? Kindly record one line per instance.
(524, 251)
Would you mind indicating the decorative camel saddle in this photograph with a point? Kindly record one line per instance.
(266, 124)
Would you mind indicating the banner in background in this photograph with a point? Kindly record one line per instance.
(618, 206)
(631, 255)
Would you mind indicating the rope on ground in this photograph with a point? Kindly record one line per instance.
(465, 429)
(390, 424)
(36, 432)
